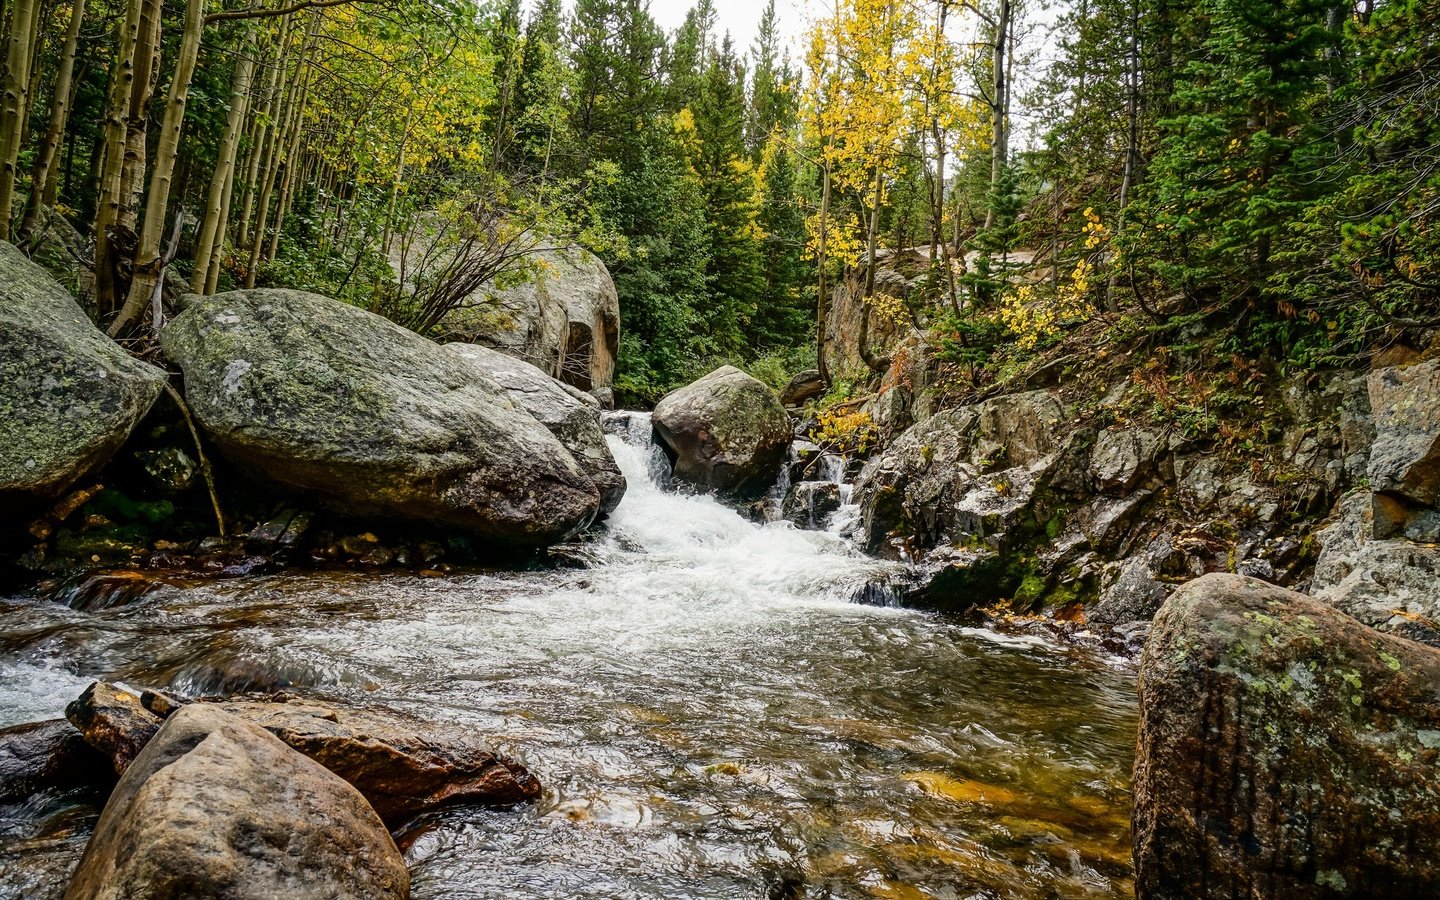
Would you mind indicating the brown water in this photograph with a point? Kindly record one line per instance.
(710, 716)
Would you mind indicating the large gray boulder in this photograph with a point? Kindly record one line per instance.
(316, 396)
(217, 807)
(726, 432)
(1388, 583)
(563, 317)
(69, 396)
(1405, 455)
(572, 415)
(1285, 750)
(963, 476)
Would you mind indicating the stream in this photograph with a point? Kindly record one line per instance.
(711, 714)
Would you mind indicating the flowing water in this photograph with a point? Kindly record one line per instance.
(712, 717)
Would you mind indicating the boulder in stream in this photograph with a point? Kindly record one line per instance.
(726, 433)
(402, 767)
(218, 807)
(47, 755)
(69, 396)
(572, 415)
(319, 397)
(809, 504)
(1285, 750)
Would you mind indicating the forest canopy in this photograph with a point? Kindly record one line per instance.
(1272, 164)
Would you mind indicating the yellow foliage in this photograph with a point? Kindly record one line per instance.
(1034, 319)
(844, 432)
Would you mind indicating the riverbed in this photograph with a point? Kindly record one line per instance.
(712, 714)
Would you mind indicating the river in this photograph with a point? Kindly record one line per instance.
(710, 713)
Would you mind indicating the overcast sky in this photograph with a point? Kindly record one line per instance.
(739, 17)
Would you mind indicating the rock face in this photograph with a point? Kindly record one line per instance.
(319, 397)
(1405, 455)
(962, 476)
(218, 807)
(1285, 750)
(564, 319)
(403, 768)
(1388, 583)
(726, 432)
(69, 396)
(572, 415)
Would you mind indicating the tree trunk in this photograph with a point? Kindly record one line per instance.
(261, 136)
(1132, 139)
(872, 235)
(42, 176)
(821, 301)
(18, 46)
(148, 265)
(999, 142)
(206, 244)
(107, 209)
(292, 108)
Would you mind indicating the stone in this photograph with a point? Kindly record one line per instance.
(727, 433)
(1388, 583)
(48, 755)
(1285, 750)
(1135, 595)
(963, 475)
(281, 533)
(563, 317)
(69, 396)
(324, 399)
(1405, 455)
(570, 414)
(218, 807)
(808, 504)
(168, 468)
(114, 722)
(404, 768)
(1124, 457)
(807, 385)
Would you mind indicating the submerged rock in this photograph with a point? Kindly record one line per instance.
(403, 767)
(726, 432)
(69, 396)
(218, 807)
(316, 396)
(572, 415)
(1285, 750)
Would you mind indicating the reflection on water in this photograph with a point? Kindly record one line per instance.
(710, 717)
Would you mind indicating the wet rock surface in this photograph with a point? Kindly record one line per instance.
(218, 807)
(402, 767)
(50, 755)
(323, 399)
(726, 432)
(1285, 750)
(810, 504)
